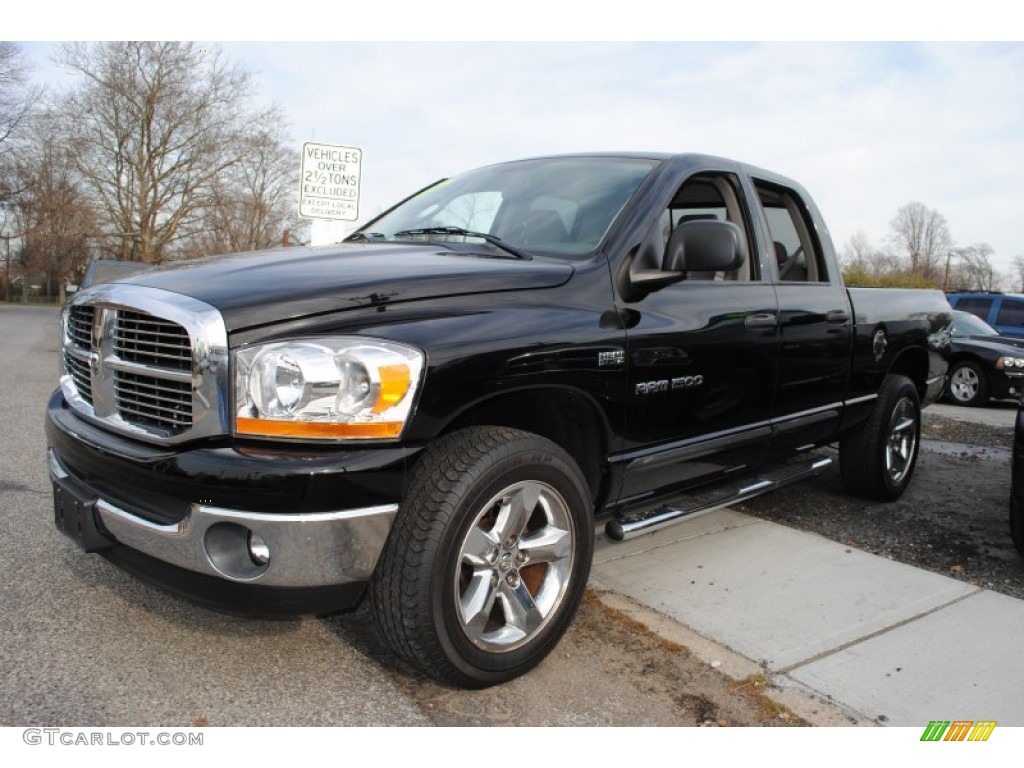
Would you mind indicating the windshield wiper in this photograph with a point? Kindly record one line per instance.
(360, 236)
(495, 241)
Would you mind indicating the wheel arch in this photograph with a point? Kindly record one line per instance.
(912, 363)
(971, 357)
(565, 416)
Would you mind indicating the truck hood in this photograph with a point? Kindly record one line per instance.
(265, 287)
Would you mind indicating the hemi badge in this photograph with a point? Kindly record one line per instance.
(617, 357)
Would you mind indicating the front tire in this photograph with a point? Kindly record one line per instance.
(877, 460)
(488, 557)
(967, 384)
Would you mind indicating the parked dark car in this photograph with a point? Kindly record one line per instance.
(983, 363)
(1017, 483)
(1004, 312)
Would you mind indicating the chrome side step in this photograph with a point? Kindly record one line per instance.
(630, 526)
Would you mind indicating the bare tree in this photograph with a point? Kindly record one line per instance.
(973, 270)
(54, 214)
(921, 236)
(252, 203)
(860, 253)
(155, 125)
(1017, 274)
(865, 264)
(17, 96)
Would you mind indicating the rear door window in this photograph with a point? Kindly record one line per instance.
(977, 307)
(796, 249)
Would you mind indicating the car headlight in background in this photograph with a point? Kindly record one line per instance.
(1010, 363)
(326, 388)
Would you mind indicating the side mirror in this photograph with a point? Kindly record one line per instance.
(705, 246)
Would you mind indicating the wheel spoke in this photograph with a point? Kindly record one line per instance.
(477, 602)
(521, 612)
(903, 425)
(516, 511)
(478, 545)
(548, 545)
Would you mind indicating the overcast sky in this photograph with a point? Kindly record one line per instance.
(865, 127)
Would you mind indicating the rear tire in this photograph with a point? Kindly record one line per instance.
(877, 460)
(488, 557)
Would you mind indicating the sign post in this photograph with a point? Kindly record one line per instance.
(329, 182)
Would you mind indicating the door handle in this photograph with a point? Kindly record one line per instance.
(761, 321)
(837, 316)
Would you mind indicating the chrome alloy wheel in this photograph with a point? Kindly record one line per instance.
(902, 441)
(514, 566)
(964, 384)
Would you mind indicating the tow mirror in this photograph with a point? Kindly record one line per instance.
(705, 246)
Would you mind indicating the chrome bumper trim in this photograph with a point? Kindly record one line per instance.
(306, 550)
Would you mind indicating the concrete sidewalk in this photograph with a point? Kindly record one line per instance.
(886, 642)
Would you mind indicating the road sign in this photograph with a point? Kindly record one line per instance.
(329, 182)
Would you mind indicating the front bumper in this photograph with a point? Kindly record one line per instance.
(323, 516)
(306, 550)
(1007, 384)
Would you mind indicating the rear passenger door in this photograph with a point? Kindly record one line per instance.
(815, 319)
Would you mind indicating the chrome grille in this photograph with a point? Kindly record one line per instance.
(141, 338)
(79, 329)
(78, 370)
(147, 363)
(154, 401)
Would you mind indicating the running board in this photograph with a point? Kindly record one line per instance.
(629, 527)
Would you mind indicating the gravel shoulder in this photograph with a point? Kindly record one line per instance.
(609, 669)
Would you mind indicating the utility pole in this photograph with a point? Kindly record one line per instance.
(945, 277)
(7, 267)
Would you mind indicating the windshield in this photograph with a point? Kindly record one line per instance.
(966, 324)
(560, 206)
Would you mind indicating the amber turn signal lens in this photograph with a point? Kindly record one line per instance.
(315, 429)
(394, 383)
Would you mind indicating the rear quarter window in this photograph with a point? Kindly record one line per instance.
(1011, 312)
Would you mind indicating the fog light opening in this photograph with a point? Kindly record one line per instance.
(236, 552)
(259, 550)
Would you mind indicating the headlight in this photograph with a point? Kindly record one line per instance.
(331, 388)
(1009, 363)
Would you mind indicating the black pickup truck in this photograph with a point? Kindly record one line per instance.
(434, 414)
